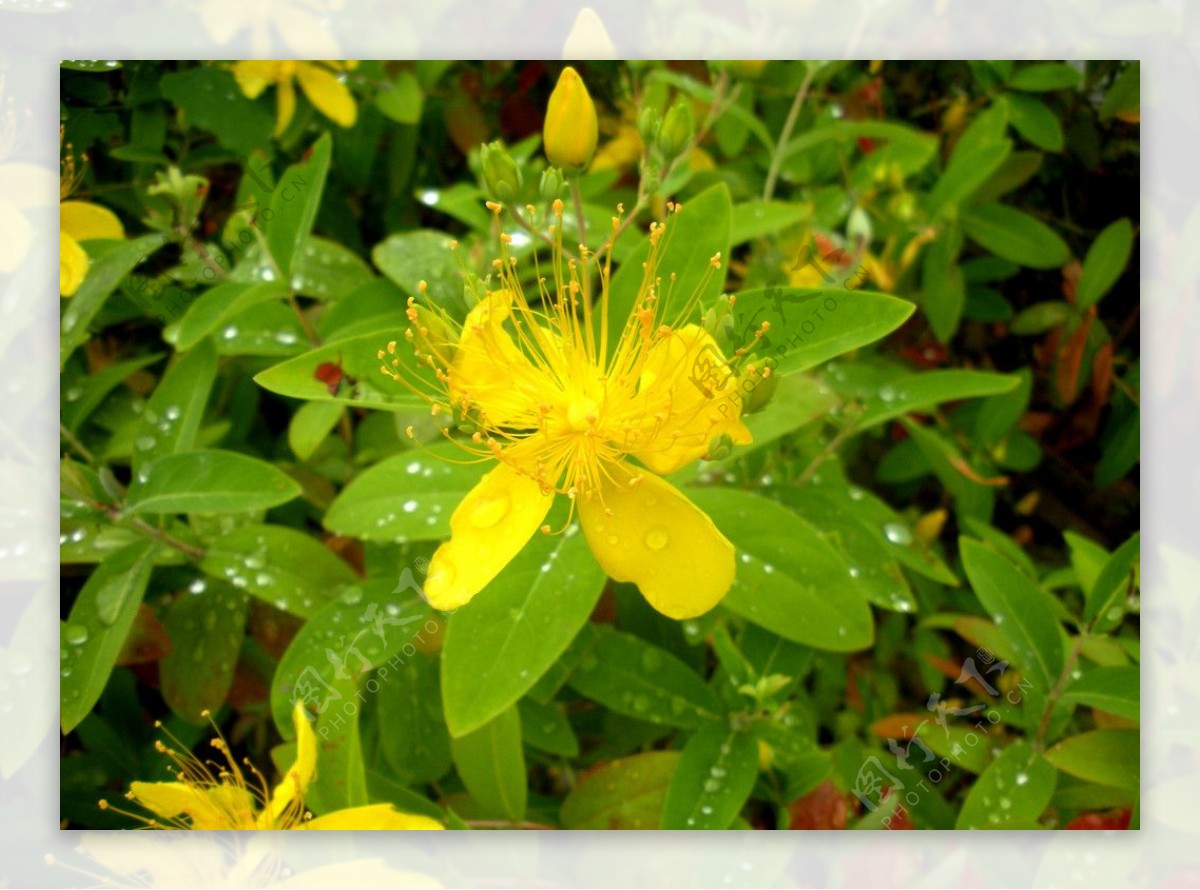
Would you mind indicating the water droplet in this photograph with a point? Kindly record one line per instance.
(711, 786)
(887, 394)
(656, 538)
(410, 506)
(489, 511)
(651, 660)
(413, 468)
(855, 571)
(145, 443)
(1021, 778)
(197, 586)
(230, 332)
(75, 634)
(613, 539)
(897, 533)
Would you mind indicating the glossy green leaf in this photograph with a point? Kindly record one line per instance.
(172, 415)
(211, 99)
(959, 476)
(111, 261)
(754, 219)
(713, 780)
(547, 728)
(499, 644)
(1022, 615)
(789, 580)
(407, 497)
(1032, 119)
(1041, 317)
(311, 425)
(628, 793)
(812, 325)
(1042, 76)
(287, 568)
(1104, 606)
(918, 393)
(206, 627)
(1106, 756)
(92, 636)
(412, 732)
(409, 258)
(1015, 235)
(1114, 690)
(294, 204)
(491, 763)
(1105, 261)
(209, 482)
(84, 394)
(216, 307)
(1017, 785)
(402, 99)
(630, 676)
(966, 171)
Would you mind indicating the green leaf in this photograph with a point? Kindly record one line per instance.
(966, 171)
(92, 636)
(713, 780)
(408, 497)
(1015, 235)
(1105, 261)
(919, 393)
(628, 675)
(1105, 756)
(1022, 614)
(402, 99)
(943, 293)
(1043, 76)
(281, 566)
(362, 384)
(693, 236)
(756, 218)
(1124, 97)
(810, 326)
(1122, 451)
(1114, 690)
(216, 306)
(491, 763)
(546, 728)
(294, 205)
(1032, 119)
(499, 645)
(311, 425)
(206, 627)
(1087, 558)
(1104, 606)
(412, 733)
(1041, 317)
(1017, 785)
(1000, 414)
(789, 580)
(971, 498)
(171, 419)
(851, 131)
(408, 258)
(111, 261)
(84, 394)
(209, 482)
(623, 794)
(211, 100)
(1018, 168)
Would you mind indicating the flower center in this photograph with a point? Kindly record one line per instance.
(581, 414)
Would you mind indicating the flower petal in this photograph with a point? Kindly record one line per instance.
(688, 383)
(490, 372)
(218, 807)
(253, 76)
(328, 94)
(295, 781)
(72, 265)
(375, 817)
(83, 220)
(491, 525)
(286, 106)
(644, 530)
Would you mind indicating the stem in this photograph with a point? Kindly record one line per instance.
(541, 236)
(828, 451)
(786, 134)
(71, 440)
(1056, 692)
(580, 221)
(159, 535)
(309, 331)
(207, 259)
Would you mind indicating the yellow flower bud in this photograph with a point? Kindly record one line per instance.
(571, 127)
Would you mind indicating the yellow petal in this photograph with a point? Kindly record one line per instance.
(687, 382)
(16, 235)
(295, 781)
(491, 525)
(286, 106)
(328, 94)
(489, 371)
(72, 265)
(222, 806)
(376, 817)
(254, 76)
(650, 534)
(84, 221)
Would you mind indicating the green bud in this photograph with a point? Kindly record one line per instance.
(500, 172)
(677, 130)
(649, 120)
(552, 183)
(719, 447)
(757, 390)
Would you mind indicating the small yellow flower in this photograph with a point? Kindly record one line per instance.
(571, 127)
(78, 221)
(202, 799)
(319, 80)
(565, 399)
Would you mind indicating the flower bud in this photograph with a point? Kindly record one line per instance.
(677, 129)
(571, 128)
(551, 184)
(757, 390)
(649, 120)
(500, 172)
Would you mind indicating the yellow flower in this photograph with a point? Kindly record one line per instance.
(319, 80)
(202, 799)
(564, 399)
(78, 221)
(571, 127)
